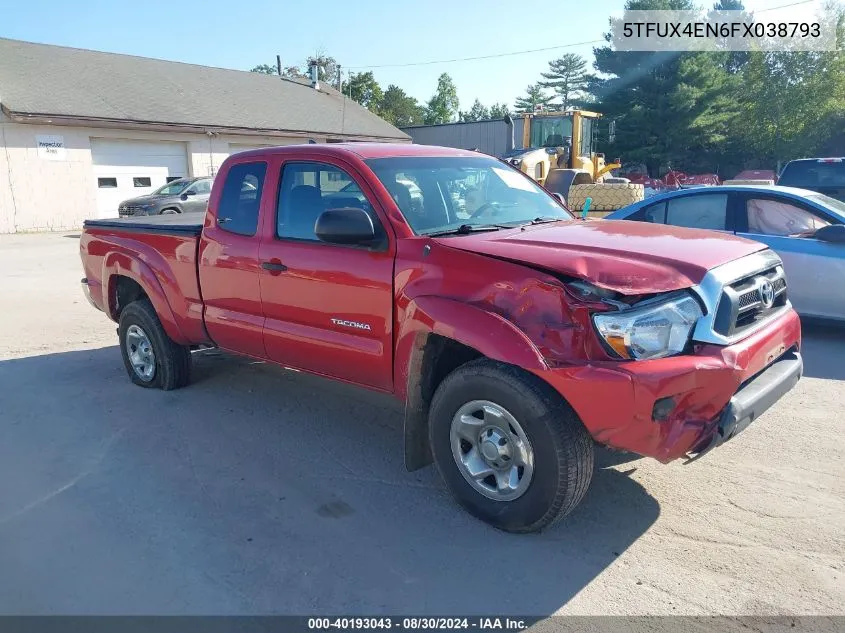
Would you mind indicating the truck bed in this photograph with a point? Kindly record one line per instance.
(189, 224)
(160, 253)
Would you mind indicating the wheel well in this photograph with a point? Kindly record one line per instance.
(176, 209)
(441, 357)
(125, 291)
(438, 357)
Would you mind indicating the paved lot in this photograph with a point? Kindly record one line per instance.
(257, 490)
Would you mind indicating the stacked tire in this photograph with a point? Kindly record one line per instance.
(605, 196)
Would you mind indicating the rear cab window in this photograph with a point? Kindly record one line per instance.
(241, 198)
(823, 172)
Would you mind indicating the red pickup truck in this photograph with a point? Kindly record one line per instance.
(516, 335)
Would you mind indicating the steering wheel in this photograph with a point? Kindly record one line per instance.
(480, 210)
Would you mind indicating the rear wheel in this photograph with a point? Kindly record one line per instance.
(511, 451)
(151, 358)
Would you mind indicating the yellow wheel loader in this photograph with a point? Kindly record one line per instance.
(558, 152)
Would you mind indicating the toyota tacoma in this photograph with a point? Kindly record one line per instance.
(516, 335)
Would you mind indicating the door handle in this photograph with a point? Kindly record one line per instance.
(274, 266)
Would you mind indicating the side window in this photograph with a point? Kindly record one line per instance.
(773, 217)
(708, 211)
(238, 211)
(202, 186)
(308, 189)
(654, 213)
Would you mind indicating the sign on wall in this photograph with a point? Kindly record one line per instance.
(51, 146)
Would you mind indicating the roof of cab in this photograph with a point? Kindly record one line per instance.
(365, 150)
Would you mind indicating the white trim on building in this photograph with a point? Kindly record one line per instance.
(49, 173)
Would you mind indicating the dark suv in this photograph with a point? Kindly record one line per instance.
(825, 175)
(178, 196)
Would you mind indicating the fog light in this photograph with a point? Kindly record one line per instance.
(662, 409)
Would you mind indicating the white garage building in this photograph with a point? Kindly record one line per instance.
(82, 130)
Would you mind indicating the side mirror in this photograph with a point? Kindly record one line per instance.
(834, 233)
(190, 192)
(559, 197)
(345, 226)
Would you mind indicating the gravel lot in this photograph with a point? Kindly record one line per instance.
(257, 490)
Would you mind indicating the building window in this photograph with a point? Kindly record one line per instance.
(141, 181)
(172, 178)
(107, 183)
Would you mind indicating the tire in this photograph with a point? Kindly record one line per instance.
(561, 446)
(606, 196)
(170, 211)
(140, 330)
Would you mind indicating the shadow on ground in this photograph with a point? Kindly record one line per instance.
(823, 348)
(257, 490)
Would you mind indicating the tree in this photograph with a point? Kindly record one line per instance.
(292, 72)
(443, 105)
(476, 113)
(534, 97)
(263, 69)
(363, 88)
(670, 108)
(326, 64)
(736, 59)
(567, 76)
(499, 110)
(400, 109)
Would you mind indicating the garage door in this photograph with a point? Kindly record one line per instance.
(126, 169)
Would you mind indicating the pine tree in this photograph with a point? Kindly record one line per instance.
(568, 77)
(534, 97)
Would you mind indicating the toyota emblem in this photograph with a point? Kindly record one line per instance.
(767, 294)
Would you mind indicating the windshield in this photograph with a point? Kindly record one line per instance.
(550, 131)
(172, 188)
(831, 203)
(811, 173)
(441, 193)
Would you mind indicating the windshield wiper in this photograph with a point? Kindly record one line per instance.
(542, 220)
(466, 229)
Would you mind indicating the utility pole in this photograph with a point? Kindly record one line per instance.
(279, 65)
(339, 80)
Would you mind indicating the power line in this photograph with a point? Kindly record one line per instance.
(783, 6)
(532, 50)
(468, 59)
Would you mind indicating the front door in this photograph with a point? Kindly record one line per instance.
(815, 269)
(195, 197)
(328, 308)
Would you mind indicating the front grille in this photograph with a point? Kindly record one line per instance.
(750, 300)
(129, 209)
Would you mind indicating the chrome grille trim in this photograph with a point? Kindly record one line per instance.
(711, 287)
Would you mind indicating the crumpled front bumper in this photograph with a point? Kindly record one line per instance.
(707, 397)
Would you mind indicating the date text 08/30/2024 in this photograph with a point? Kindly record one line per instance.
(480, 623)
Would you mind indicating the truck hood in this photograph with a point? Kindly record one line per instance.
(149, 198)
(627, 257)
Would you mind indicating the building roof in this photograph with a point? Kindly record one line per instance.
(40, 79)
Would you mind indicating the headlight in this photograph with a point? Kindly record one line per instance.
(653, 331)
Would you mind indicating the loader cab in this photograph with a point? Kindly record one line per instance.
(571, 134)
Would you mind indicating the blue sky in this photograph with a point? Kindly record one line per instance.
(361, 33)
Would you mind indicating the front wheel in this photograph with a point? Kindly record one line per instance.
(510, 449)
